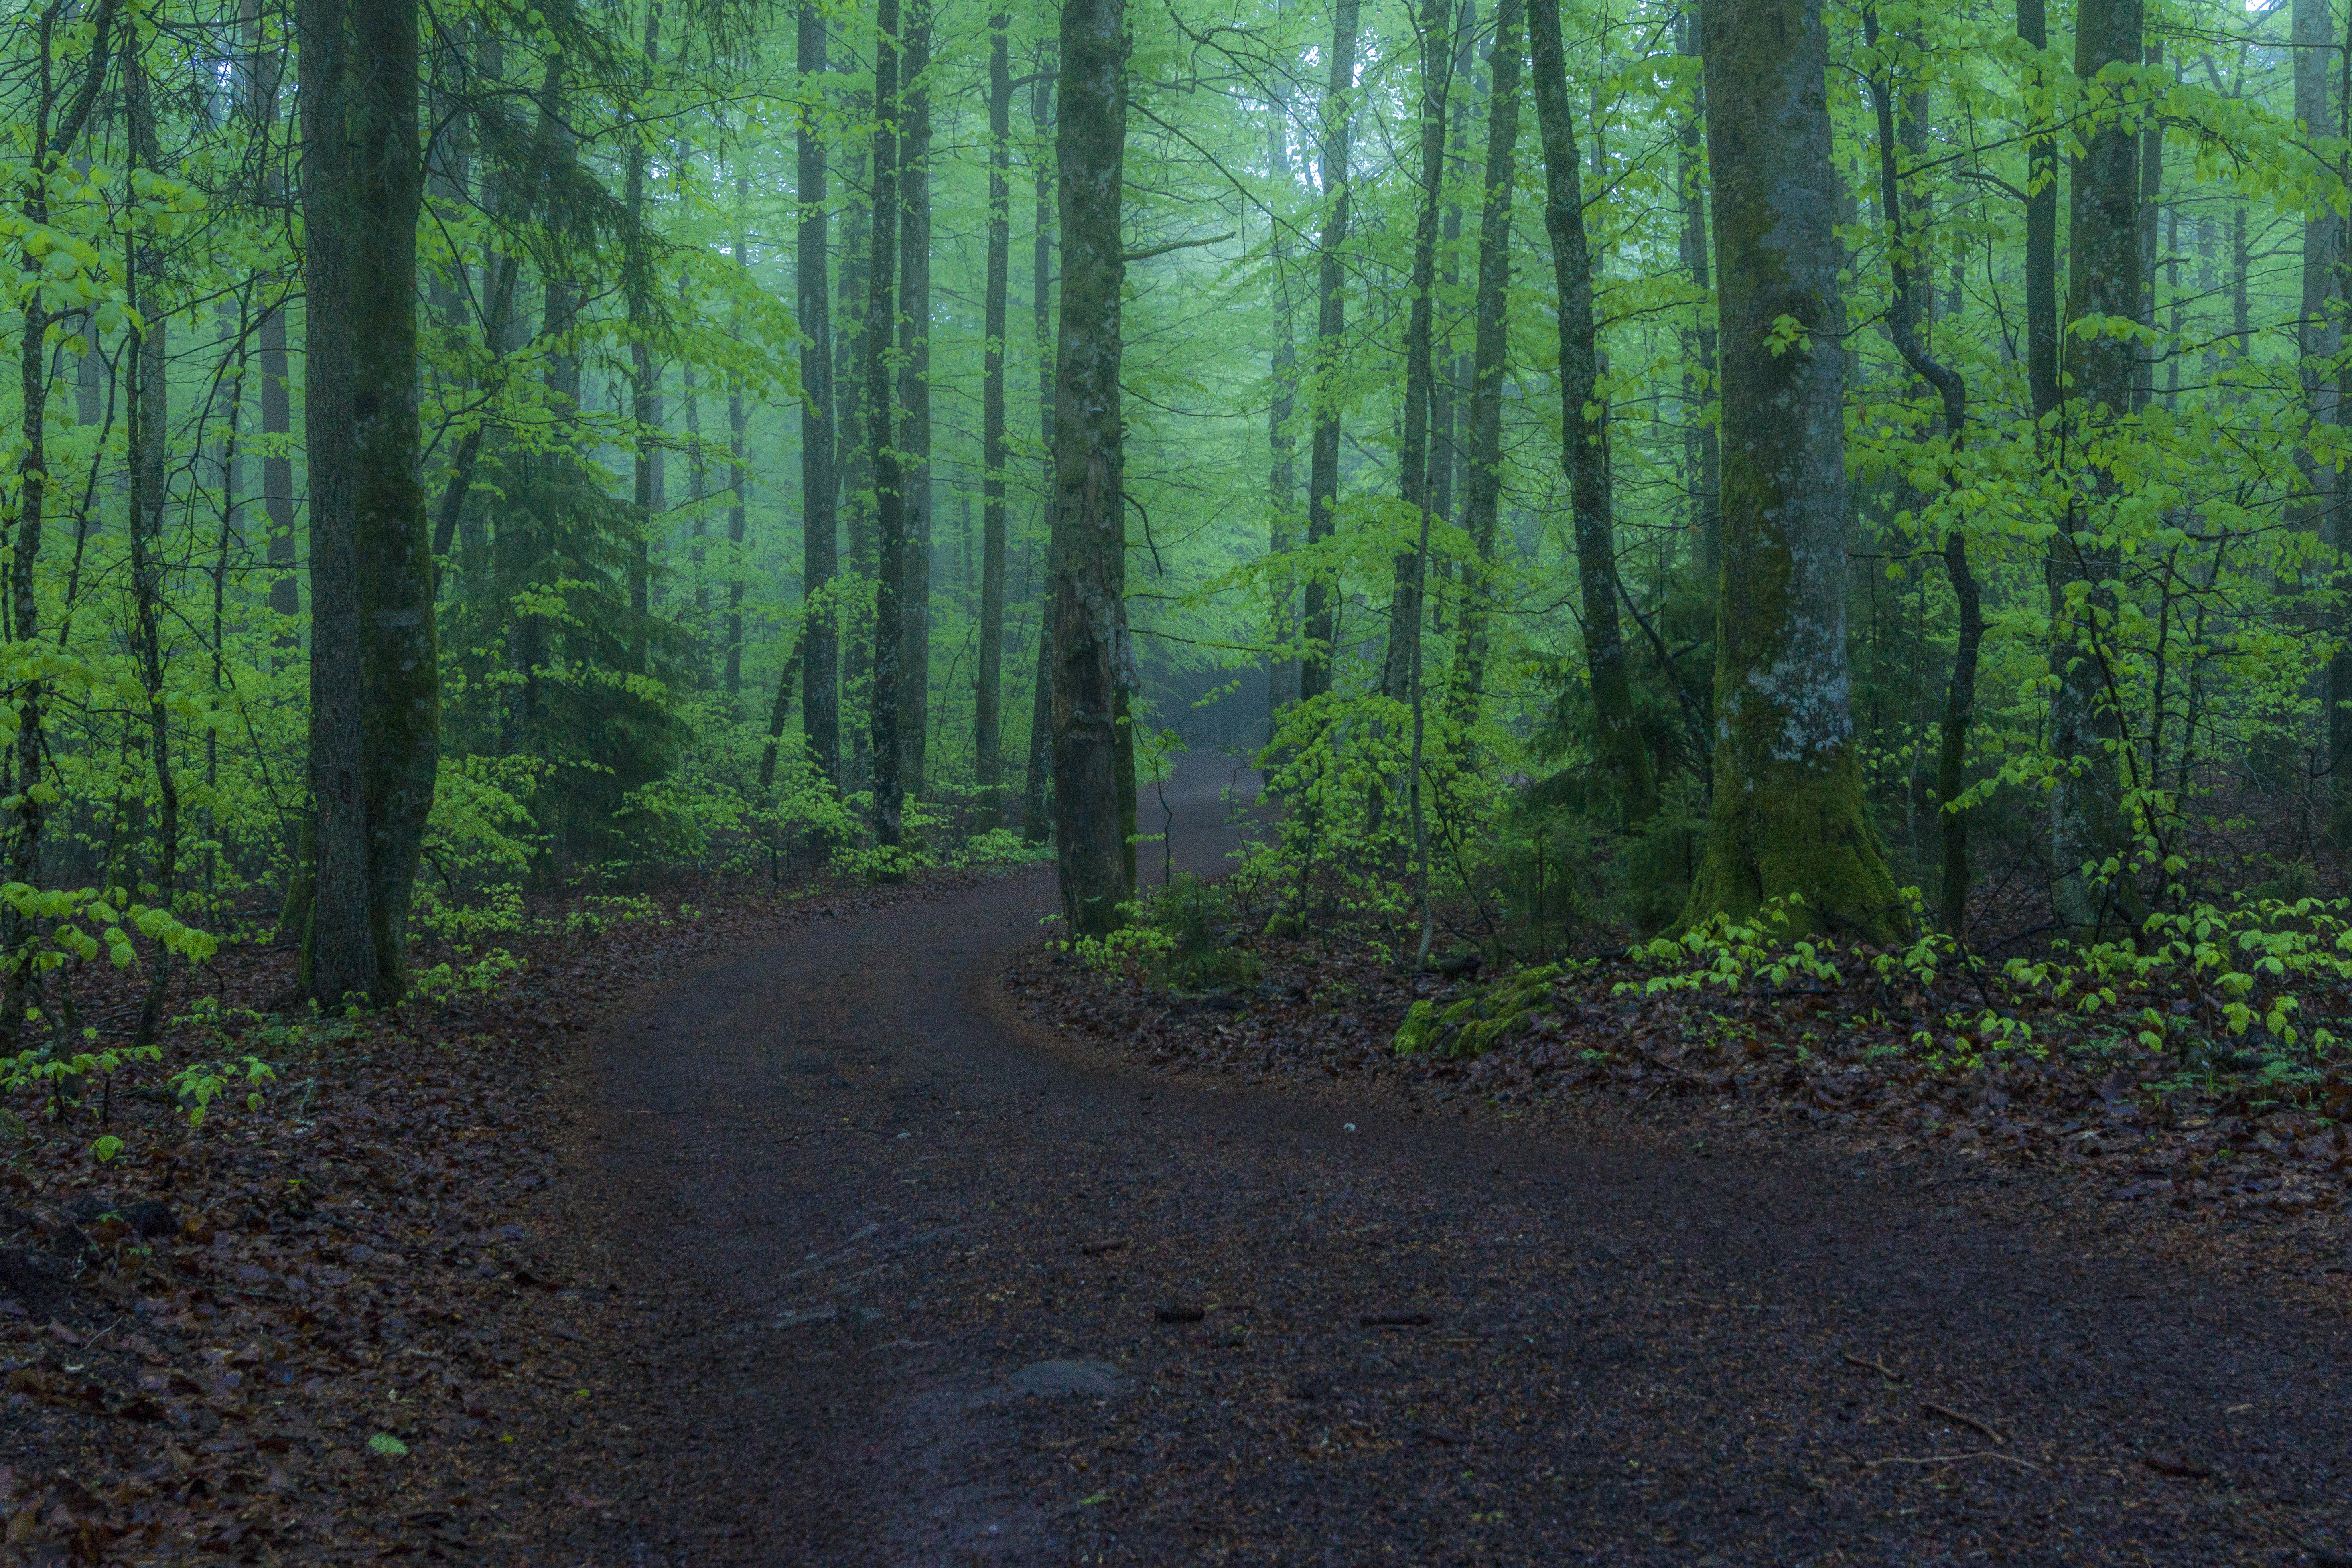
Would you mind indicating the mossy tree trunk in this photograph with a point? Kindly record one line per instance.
(1702, 453)
(1282, 444)
(1584, 429)
(375, 692)
(1483, 482)
(1093, 665)
(1331, 336)
(1037, 790)
(820, 482)
(855, 455)
(2092, 889)
(1789, 818)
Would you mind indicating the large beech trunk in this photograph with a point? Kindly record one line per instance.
(375, 694)
(1789, 819)
(1584, 440)
(1093, 666)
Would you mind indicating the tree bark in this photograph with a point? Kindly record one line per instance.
(1282, 443)
(1902, 321)
(855, 455)
(1789, 818)
(374, 675)
(1702, 448)
(738, 476)
(1093, 665)
(1319, 654)
(1036, 805)
(2041, 236)
(2087, 827)
(645, 377)
(889, 508)
(915, 399)
(1420, 351)
(988, 744)
(820, 642)
(1584, 430)
(1483, 486)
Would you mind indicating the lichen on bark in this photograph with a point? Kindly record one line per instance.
(1789, 820)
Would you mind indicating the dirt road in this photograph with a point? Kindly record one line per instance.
(902, 1279)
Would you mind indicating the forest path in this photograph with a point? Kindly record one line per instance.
(892, 1266)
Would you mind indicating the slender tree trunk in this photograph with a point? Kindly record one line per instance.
(1093, 665)
(1330, 335)
(855, 455)
(1483, 485)
(374, 671)
(738, 476)
(2087, 825)
(1789, 818)
(645, 377)
(1584, 429)
(820, 641)
(1420, 351)
(2040, 236)
(1702, 449)
(889, 507)
(2320, 332)
(915, 399)
(149, 453)
(1036, 804)
(1904, 309)
(988, 744)
(1282, 443)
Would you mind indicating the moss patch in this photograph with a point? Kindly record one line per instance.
(1480, 1021)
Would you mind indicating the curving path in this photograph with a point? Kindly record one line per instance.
(892, 1268)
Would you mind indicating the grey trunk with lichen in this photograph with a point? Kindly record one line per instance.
(1093, 666)
(1789, 820)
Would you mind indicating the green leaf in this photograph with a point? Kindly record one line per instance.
(390, 1447)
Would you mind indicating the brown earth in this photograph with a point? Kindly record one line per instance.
(890, 1275)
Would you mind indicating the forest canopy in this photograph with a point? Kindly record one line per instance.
(1614, 466)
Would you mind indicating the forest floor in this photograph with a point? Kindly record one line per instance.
(859, 1231)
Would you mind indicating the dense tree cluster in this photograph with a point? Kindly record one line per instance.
(1758, 452)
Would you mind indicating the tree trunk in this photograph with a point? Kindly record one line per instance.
(1036, 804)
(645, 377)
(854, 454)
(2087, 827)
(915, 399)
(1483, 487)
(150, 438)
(1319, 654)
(1093, 665)
(1789, 818)
(1902, 321)
(889, 509)
(738, 476)
(1702, 450)
(1584, 429)
(987, 746)
(1282, 444)
(1420, 350)
(2040, 236)
(820, 642)
(374, 674)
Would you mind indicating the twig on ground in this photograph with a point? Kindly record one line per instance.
(1948, 1459)
(1949, 1414)
(1878, 1365)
